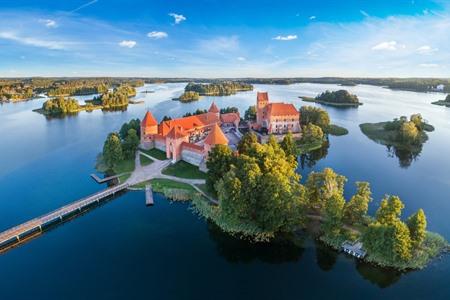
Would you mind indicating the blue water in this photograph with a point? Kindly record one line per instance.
(124, 249)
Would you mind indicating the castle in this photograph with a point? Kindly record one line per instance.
(276, 118)
(189, 138)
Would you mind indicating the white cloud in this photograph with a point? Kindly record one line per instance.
(49, 23)
(129, 44)
(177, 18)
(429, 65)
(156, 35)
(285, 37)
(241, 58)
(387, 46)
(219, 45)
(31, 41)
(426, 50)
(312, 17)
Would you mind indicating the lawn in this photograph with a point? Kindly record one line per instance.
(125, 166)
(156, 153)
(305, 148)
(205, 190)
(183, 169)
(336, 130)
(145, 161)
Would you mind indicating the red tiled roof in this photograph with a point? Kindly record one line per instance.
(149, 120)
(216, 137)
(188, 123)
(176, 133)
(262, 96)
(213, 108)
(230, 117)
(282, 109)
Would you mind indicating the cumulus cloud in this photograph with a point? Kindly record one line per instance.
(127, 43)
(156, 35)
(387, 46)
(241, 58)
(49, 23)
(32, 41)
(426, 50)
(312, 17)
(285, 37)
(177, 18)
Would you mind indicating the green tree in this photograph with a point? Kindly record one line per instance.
(409, 132)
(247, 142)
(112, 150)
(357, 207)
(417, 224)
(250, 113)
(314, 115)
(333, 213)
(321, 186)
(417, 120)
(401, 241)
(273, 142)
(130, 144)
(311, 134)
(390, 210)
(219, 162)
(288, 145)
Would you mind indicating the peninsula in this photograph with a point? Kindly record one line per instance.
(445, 102)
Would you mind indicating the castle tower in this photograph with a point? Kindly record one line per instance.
(214, 109)
(149, 125)
(215, 137)
(262, 100)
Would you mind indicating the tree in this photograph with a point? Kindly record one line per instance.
(417, 224)
(288, 145)
(390, 210)
(133, 124)
(409, 132)
(417, 120)
(273, 142)
(311, 134)
(357, 207)
(314, 115)
(166, 118)
(250, 113)
(246, 142)
(401, 241)
(334, 209)
(130, 144)
(321, 186)
(112, 150)
(219, 162)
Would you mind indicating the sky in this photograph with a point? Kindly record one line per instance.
(227, 38)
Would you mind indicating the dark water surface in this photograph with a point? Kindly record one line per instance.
(124, 249)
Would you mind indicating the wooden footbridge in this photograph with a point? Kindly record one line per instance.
(22, 232)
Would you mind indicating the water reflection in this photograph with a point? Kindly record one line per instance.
(325, 256)
(235, 250)
(380, 276)
(405, 157)
(308, 160)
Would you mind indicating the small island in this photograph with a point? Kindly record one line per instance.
(188, 96)
(445, 102)
(402, 133)
(341, 98)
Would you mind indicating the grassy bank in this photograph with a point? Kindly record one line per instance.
(169, 188)
(156, 153)
(442, 103)
(183, 169)
(145, 161)
(125, 166)
(305, 148)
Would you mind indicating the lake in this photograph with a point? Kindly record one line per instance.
(124, 249)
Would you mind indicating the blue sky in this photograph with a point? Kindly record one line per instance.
(211, 38)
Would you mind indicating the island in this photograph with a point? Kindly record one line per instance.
(273, 202)
(223, 88)
(404, 138)
(445, 102)
(341, 98)
(110, 100)
(188, 96)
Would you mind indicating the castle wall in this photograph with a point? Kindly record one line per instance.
(191, 156)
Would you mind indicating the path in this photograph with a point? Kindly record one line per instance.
(154, 170)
